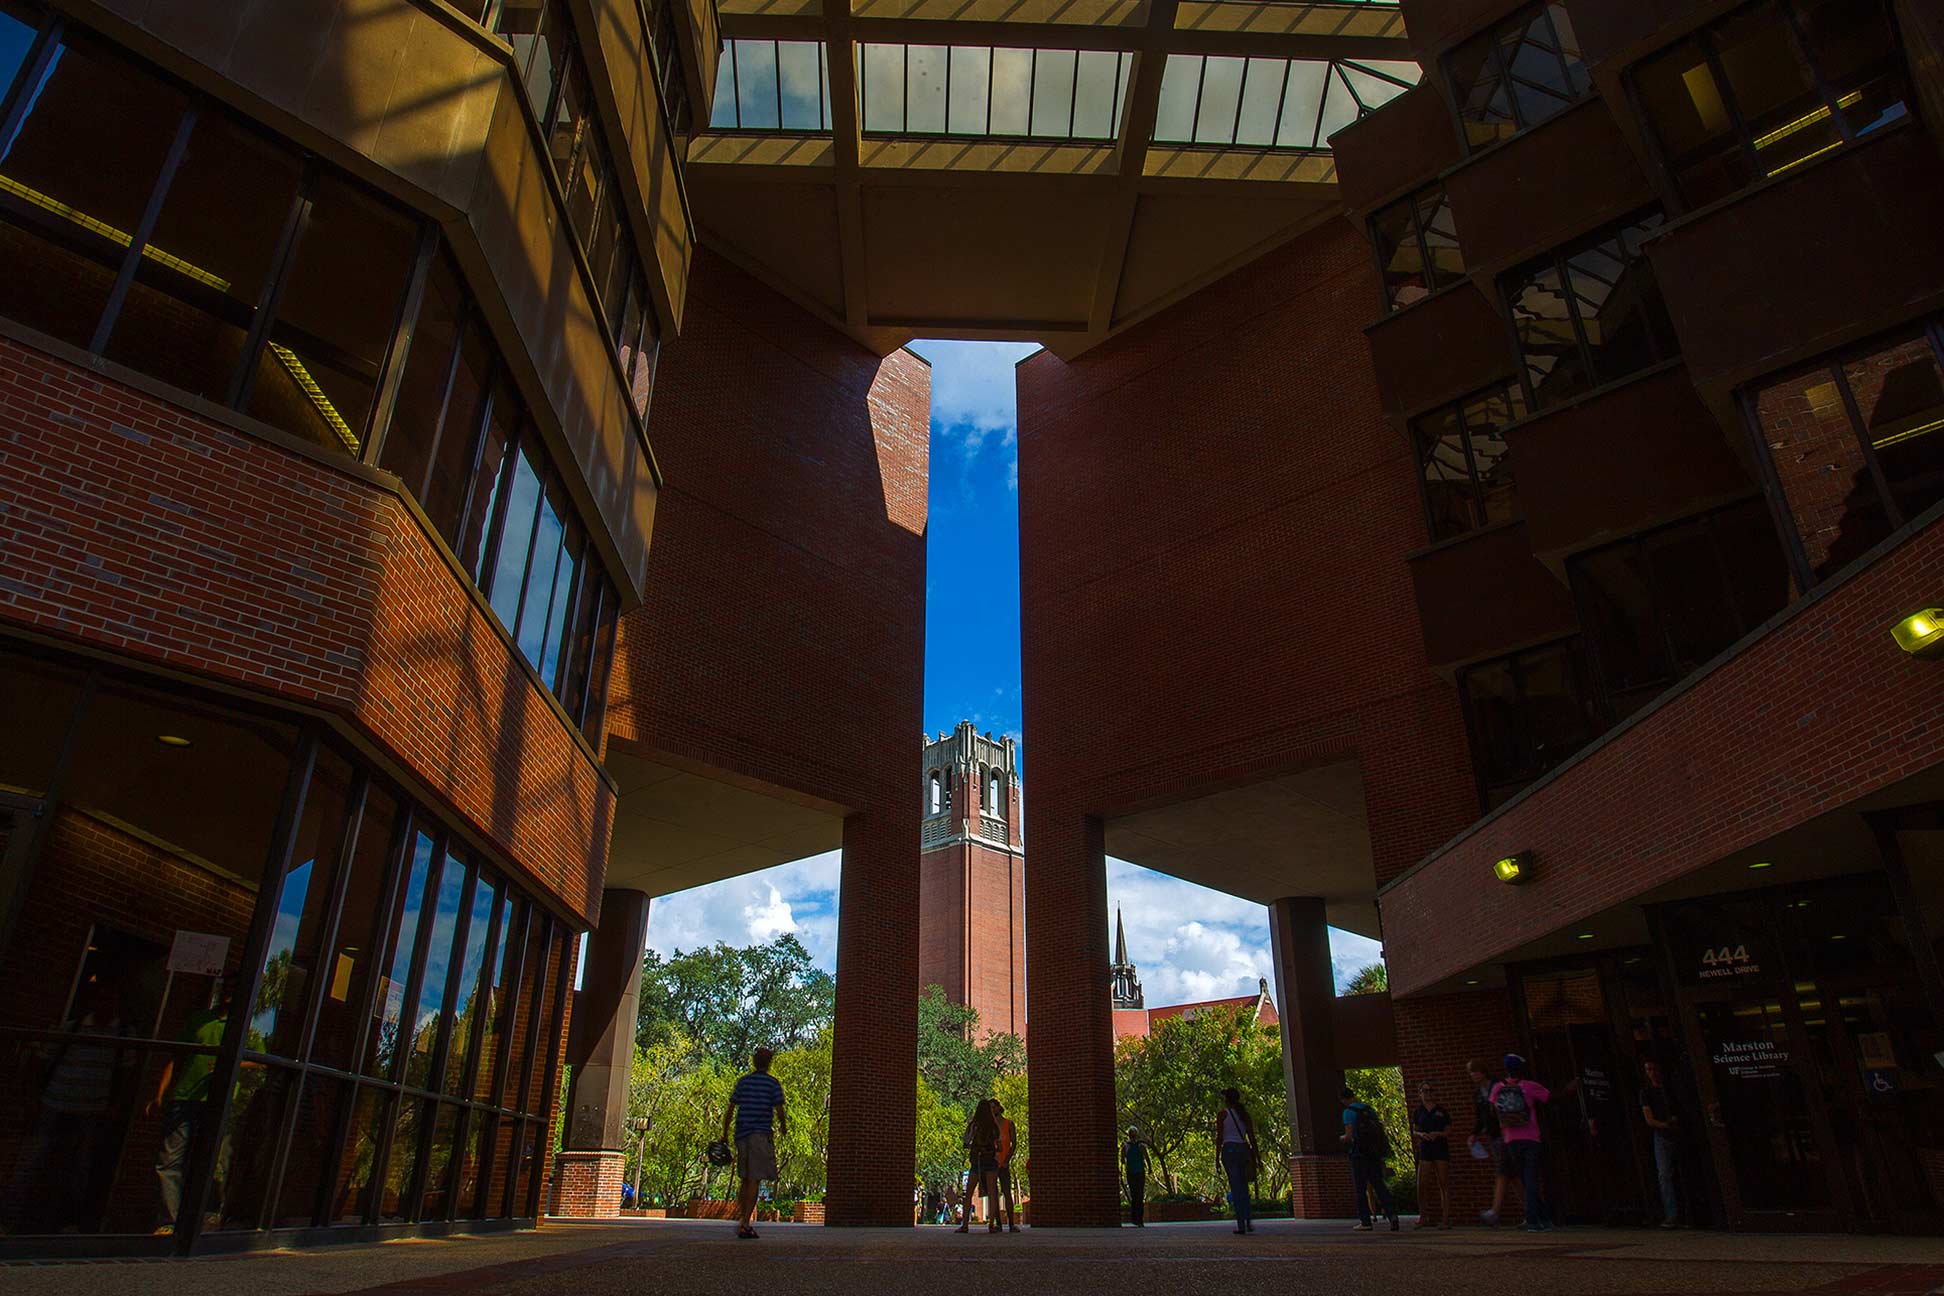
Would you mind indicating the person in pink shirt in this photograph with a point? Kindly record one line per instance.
(1516, 1101)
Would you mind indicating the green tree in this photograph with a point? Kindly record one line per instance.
(803, 1153)
(953, 1059)
(1371, 979)
(729, 1001)
(682, 1093)
(1170, 1084)
(940, 1161)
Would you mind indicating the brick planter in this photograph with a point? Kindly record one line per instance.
(697, 1208)
(809, 1213)
(1178, 1212)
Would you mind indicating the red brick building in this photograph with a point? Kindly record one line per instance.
(972, 877)
(460, 478)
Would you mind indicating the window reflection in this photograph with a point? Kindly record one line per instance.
(1464, 463)
(1770, 88)
(1271, 103)
(1526, 713)
(1417, 247)
(1521, 71)
(1589, 313)
(772, 85)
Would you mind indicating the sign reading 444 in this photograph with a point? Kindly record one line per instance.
(1727, 961)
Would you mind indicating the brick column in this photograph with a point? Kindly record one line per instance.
(873, 1085)
(600, 1047)
(1305, 998)
(1070, 1071)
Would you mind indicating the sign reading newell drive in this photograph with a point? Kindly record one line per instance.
(198, 953)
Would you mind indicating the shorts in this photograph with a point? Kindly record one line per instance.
(1434, 1152)
(756, 1156)
(1502, 1155)
(985, 1163)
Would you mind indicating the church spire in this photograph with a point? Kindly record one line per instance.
(1127, 985)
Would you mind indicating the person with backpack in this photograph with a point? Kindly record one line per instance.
(1235, 1142)
(1365, 1138)
(1487, 1140)
(1516, 1102)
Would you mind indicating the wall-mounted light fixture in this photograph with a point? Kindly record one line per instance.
(1513, 869)
(1921, 633)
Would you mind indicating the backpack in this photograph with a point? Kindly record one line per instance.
(1368, 1136)
(1511, 1105)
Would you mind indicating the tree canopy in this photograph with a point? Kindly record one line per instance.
(731, 1001)
(1371, 979)
(959, 1064)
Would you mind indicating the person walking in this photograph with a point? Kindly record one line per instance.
(1516, 1102)
(1658, 1112)
(1368, 1144)
(982, 1144)
(1431, 1124)
(1235, 1143)
(755, 1105)
(1134, 1155)
(1008, 1141)
(1487, 1140)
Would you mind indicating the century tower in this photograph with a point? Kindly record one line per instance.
(971, 891)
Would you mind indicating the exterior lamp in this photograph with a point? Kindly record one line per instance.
(1921, 634)
(172, 740)
(1513, 869)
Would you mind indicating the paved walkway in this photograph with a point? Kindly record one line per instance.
(694, 1258)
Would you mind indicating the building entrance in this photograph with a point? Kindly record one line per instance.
(1814, 1054)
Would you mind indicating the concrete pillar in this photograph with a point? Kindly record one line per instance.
(873, 1084)
(1319, 1173)
(1070, 1063)
(600, 1047)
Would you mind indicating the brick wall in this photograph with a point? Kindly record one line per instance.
(782, 639)
(991, 933)
(1436, 1037)
(1821, 710)
(1214, 515)
(139, 528)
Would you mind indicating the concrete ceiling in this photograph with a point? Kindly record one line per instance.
(1054, 241)
(1303, 834)
(675, 828)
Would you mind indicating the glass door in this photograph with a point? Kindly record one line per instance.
(1766, 1126)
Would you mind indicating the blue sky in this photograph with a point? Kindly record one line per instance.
(1189, 942)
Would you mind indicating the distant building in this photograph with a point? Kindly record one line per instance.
(971, 877)
(1133, 1017)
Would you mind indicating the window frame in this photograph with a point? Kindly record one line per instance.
(1558, 259)
(1701, 36)
(1834, 364)
(1573, 645)
(1457, 409)
(1414, 201)
(1495, 32)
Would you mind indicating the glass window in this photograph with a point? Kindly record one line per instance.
(356, 950)
(382, 1049)
(1857, 447)
(523, 499)
(205, 269)
(474, 994)
(1658, 605)
(240, 1194)
(536, 605)
(18, 27)
(413, 435)
(496, 458)
(1519, 72)
(537, 30)
(1417, 247)
(980, 90)
(1769, 88)
(350, 1199)
(1285, 103)
(38, 699)
(1464, 463)
(1527, 713)
(76, 175)
(560, 609)
(1589, 313)
(302, 1198)
(448, 897)
(394, 1205)
(439, 1164)
(776, 85)
(303, 902)
(502, 977)
(335, 316)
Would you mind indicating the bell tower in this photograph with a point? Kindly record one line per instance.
(1127, 985)
(972, 880)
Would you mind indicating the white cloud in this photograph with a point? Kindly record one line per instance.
(972, 387)
(1190, 942)
(799, 898)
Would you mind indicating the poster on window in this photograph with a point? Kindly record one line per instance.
(198, 953)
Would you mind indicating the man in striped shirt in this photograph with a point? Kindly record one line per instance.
(756, 1097)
